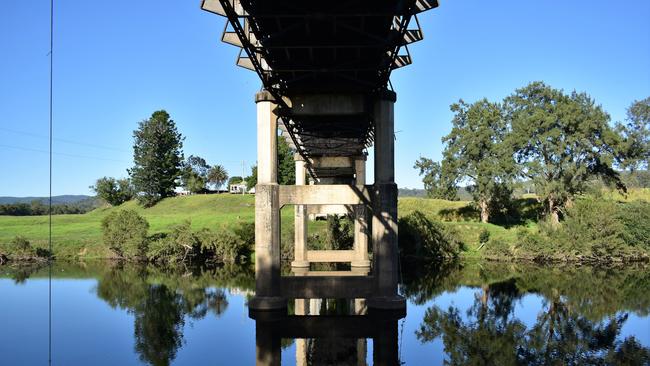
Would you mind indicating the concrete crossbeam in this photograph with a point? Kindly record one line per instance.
(327, 104)
(327, 287)
(330, 256)
(332, 162)
(334, 273)
(334, 194)
(329, 209)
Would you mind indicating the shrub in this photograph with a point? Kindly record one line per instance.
(419, 236)
(180, 244)
(20, 244)
(21, 249)
(591, 227)
(483, 236)
(635, 217)
(500, 248)
(125, 233)
(183, 244)
(340, 233)
(223, 246)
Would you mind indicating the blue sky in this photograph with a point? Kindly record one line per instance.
(118, 61)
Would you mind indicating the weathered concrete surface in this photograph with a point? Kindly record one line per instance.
(361, 227)
(334, 194)
(330, 256)
(332, 162)
(267, 212)
(330, 209)
(327, 287)
(300, 221)
(384, 220)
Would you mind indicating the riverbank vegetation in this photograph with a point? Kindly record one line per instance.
(526, 237)
(563, 149)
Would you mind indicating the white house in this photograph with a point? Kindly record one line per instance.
(238, 188)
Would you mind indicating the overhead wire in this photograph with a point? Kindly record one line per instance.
(49, 350)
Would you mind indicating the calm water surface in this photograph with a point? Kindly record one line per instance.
(471, 313)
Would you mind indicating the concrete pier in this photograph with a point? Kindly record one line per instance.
(384, 219)
(267, 210)
(345, 187)
(300, 220)
(361, 227)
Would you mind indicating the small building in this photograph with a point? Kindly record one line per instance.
(238, 188)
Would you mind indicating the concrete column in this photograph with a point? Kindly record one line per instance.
(267, 210)
(362, 345)
(361, 229)
(300, 220)
(384, 220)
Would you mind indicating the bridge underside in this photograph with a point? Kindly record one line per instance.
(301, 49)
(325, 68)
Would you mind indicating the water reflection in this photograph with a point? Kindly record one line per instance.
(328, 332)
(469, 313)
(162, 300)
(582, 314)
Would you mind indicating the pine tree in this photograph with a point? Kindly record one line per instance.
(157, 157)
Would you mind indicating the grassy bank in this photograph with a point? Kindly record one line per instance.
(80, 236)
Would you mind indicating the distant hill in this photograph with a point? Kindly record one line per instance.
(68, 198)
(411, 192)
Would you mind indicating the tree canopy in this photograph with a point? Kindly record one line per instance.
(114, 191)
(437, 182)
(217, 176)
(194, 176)
(636, 135)
(560, 141)
(157, 158)
(476, 154)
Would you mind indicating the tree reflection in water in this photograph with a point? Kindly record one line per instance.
(489, 333)
(163, 299)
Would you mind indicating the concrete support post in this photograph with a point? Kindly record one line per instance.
(361, 229)
(267, 210)
(384, 220)
(300, 220)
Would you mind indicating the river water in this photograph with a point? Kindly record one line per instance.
(105, 313)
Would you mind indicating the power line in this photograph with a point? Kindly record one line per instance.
(63, 140)
(61, 154)
(49, 326)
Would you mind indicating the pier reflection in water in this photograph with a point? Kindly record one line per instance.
(106, 313)
(328, 332)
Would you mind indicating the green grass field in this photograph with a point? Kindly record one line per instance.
(81, 236)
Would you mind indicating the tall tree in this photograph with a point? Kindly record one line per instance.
(217, 176)
(560, 141)
(636, 136)
(475, 152)
(437, 181)
(157, 158)
(194, 175)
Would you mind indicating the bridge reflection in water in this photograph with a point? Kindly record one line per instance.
(331, 332)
